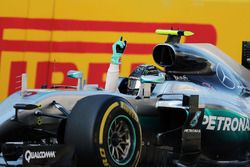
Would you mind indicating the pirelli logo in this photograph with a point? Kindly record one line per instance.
(47, 48)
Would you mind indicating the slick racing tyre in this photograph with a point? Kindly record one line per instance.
(105, 131)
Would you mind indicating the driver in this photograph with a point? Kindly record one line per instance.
(134, 78)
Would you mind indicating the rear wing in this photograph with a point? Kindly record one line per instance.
(245, 61)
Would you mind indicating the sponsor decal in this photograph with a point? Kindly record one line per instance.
(219, 123)
(29, 155)
(129, 111)
(208, 85)
(29, 93)
(192, 131)
(224, 78)
(103, 156)
(180, 78)
(195, 119)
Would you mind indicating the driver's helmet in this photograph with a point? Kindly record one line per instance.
(134, 82)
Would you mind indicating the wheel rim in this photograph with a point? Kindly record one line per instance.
(121, 140)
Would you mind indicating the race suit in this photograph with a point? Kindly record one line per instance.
(113, 71)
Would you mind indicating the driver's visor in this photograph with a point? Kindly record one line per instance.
(134, 84)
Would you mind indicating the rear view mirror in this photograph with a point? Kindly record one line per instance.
(152, 79)
(164, 55)
(74, 74)
(77, 75)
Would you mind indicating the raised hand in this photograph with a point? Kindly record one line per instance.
(118, 49)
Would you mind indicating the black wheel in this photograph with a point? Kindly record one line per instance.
(105, 131)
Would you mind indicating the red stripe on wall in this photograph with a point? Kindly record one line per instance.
(72, 47)
(204, 32)
(64, 24)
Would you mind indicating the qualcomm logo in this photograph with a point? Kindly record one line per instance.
(219, 123)
(29, 155)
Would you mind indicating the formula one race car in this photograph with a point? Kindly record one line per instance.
(194, 112)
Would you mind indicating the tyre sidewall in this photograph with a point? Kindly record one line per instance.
(117, 107)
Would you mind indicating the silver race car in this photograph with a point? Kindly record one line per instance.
(195, 111)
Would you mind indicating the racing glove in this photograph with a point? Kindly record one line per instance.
(118, 49)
